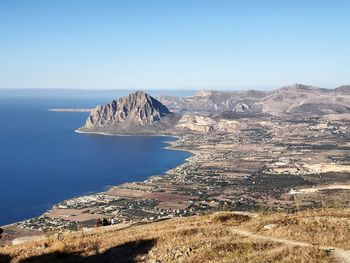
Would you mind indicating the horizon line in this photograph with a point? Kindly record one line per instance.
(166, 89)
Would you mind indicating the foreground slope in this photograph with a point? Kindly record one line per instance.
(309, 236)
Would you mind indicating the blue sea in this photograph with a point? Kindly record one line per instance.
(43, 161)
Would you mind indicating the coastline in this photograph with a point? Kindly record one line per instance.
(169, 146)
(124, 134)
(225, 172)
(170, 143)
(70, 110)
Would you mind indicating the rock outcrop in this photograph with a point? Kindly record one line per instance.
(241, 107)
(138, 113)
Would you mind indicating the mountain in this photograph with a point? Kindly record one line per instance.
(208, 101)
(137, 113)
(294, 99)
(304, 99)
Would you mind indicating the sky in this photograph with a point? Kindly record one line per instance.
(173, 44)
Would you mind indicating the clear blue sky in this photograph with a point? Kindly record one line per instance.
(173, 44)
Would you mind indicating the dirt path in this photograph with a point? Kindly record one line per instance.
(340, 255)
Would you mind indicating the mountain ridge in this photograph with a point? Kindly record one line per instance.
(141, 114)
(285, 100)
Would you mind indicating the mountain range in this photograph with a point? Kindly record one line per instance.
(294, 99)
(140, 113)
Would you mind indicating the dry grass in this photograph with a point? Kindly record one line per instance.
(195, 239)
(323, 227)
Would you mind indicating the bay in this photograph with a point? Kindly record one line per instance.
(43, 161)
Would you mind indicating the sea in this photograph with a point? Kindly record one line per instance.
(43, 161)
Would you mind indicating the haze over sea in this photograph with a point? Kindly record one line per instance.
(43, 161)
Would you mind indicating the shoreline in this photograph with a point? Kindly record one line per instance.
(168, 146)
(246, 170)
(124, 134)
(70, 110)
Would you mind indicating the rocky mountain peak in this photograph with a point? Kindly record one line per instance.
(136, 109)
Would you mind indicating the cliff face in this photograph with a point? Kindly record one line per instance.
(136, 113)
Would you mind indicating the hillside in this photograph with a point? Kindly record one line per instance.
(303, 99)
(308, 236)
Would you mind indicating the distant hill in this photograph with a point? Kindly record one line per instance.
(293, 99)
(343, 89)
(137, 113)
(303, 99)
(209, 101)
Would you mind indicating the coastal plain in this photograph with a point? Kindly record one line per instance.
(242, 160)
